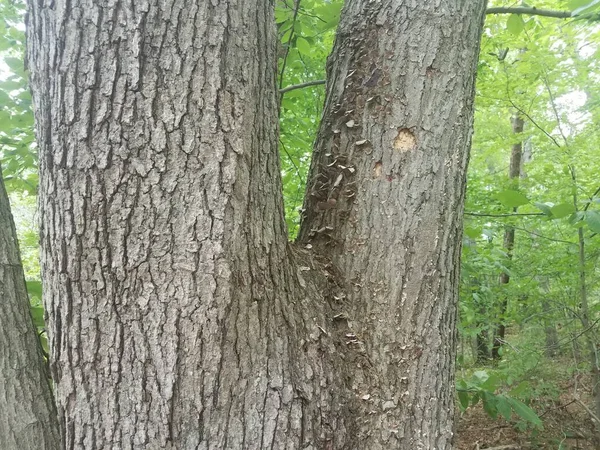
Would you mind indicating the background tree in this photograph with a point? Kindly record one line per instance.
(27, 413)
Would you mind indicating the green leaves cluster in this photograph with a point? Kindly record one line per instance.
(482, 386)
(17, 143)
(306, 34)
(546, 71)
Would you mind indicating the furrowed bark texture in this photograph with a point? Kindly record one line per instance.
(385, 200)
(177, 318)
(27, 413)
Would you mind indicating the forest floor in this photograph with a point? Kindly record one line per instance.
(567, 424)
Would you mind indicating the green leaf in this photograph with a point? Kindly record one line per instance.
(592, 218)
(515, 24)
(473, 233)
(492, 383)
(512, 199)
(480, 377)
(329, 12)
(587, 6)
(37, 314)
(34, 289)
(545, 208)
(524, 412)
(576, 218)
(303, 46)
(463, 397)
(489, 404)
(503, 407)
(574, 4)
(562, 210)
(520, 389)
(286, 36)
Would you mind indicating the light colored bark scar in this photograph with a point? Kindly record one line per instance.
(377, 170)
(405, 140)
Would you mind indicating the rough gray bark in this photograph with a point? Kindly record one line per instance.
(179, 316)
(27, 413)
(385, 199)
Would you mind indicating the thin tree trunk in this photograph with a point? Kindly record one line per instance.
(514, 174)
(384, 201)
(552, 344)
(482, 347)
(590, 332)
(27, 414)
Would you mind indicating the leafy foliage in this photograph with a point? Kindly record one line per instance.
(306, 34)
(482, 386)
(17, 142)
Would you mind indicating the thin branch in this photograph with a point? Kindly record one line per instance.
(592, 198)
(535, 124)
(590, 412)
(544, 237)
(289, 42)
(503, 215)
(301, 85)
(553, 104)
(531, 12)
(503, 447)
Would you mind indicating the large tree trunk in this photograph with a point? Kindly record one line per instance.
(176, 316)
(27, 413)
(179, 316)
(385, 199)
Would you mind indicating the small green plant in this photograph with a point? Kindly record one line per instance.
(482, 386)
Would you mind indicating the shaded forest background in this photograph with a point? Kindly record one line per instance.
(529, 298)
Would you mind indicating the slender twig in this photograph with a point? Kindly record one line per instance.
(503, 215)
(554, 109)
(590, 412)
(556, 407)
(545, 237)
(592, 198)
(291, 159)
(301, 85)
(530, 12)
(571, 339)
(289, 43)
(504, 447)
(535, 124)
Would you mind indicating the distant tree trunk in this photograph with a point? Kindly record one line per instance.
(514, 174)
(552, 344)
(179, 316)
(549, 320)
(27, 413)
(482, 347)
(591, 332)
